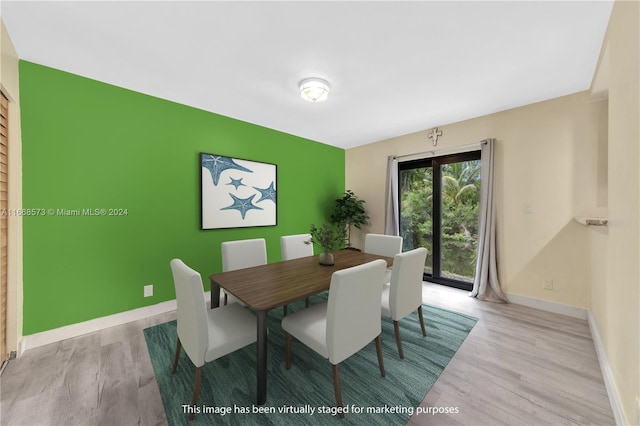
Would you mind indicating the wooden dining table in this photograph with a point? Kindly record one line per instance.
(269, 286)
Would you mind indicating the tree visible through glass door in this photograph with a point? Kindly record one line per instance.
(442, 215)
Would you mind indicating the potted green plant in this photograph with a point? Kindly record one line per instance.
(349, 211)
(330, 238)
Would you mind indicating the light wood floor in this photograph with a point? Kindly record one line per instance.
(518, 366)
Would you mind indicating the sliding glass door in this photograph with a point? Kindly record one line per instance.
(439, 202)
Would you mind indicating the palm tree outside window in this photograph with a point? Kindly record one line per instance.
(442, 214)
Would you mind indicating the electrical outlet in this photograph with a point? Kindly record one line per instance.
(548, 284)
(148, 290)
(527, 209)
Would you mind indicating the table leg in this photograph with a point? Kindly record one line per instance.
(262, 356)
(215, 294)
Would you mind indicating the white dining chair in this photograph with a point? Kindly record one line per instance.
(294, 247)
(242, 254)
(403, 294)
(383, 245)
(344, 324)
(206, 334)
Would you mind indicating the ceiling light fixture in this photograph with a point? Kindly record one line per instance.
(314, 89)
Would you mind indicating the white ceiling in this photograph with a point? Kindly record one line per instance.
(394, 67)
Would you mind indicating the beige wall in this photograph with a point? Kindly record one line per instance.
(546, 156)
(9, 84)
(566, 157)
(615, 301)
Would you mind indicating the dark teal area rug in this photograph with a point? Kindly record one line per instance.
(304, 394)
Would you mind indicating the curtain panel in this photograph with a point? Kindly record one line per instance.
(392, 220)
(486, 285)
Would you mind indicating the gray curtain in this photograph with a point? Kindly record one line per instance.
(392, 210)
(486, 285)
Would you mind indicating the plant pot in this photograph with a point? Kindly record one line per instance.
(326, 259)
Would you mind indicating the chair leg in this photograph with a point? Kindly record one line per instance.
(396, 328)
(336, 388)
(285, 310)
(287, 355)
(196, 391)
(306, 302)
(379, 352)
(424, 332)
(177, 356)
(225, 298)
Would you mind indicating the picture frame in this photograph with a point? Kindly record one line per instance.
(237, 193)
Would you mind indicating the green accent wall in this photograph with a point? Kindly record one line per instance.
(91, 145)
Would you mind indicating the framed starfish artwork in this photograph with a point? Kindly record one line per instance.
(237, 193)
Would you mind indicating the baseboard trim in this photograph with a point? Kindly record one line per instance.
(607, 376)
(74, 330)
(545, 305)
(20, 347)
